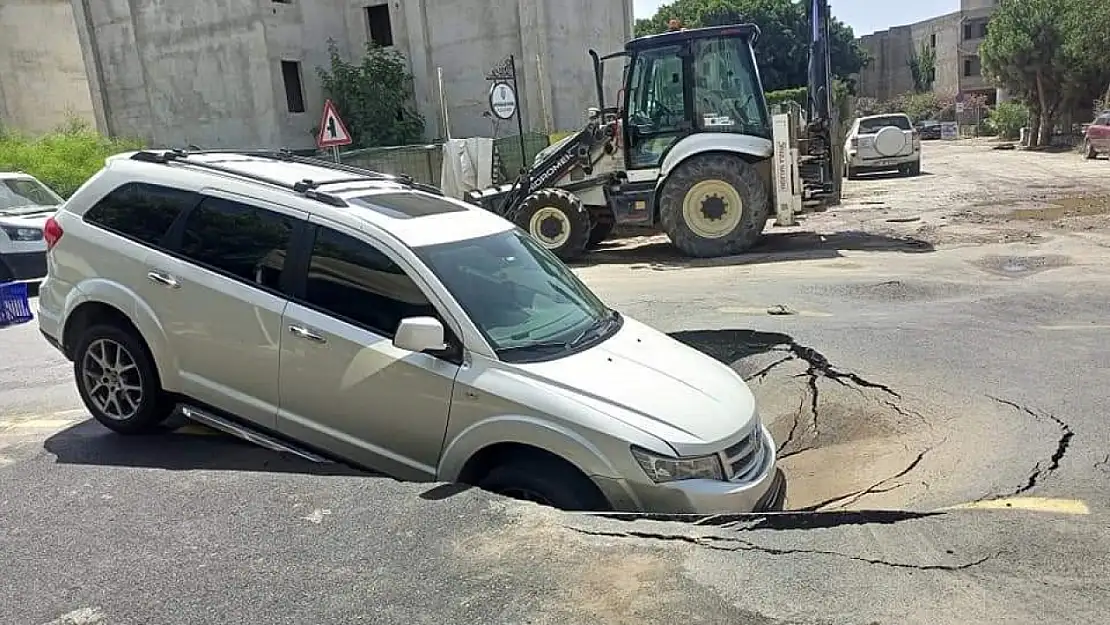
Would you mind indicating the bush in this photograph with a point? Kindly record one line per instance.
(1008, 118)
(374, 97)
(781, 97)
(63, 159)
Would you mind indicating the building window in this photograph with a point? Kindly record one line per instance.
(975, 29)
(381, 30)
(294, 90)
(933, 40)
(971, 66)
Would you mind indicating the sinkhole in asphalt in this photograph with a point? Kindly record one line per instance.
(847, 441)
(843, 441)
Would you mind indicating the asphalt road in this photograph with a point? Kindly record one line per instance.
(941, 412)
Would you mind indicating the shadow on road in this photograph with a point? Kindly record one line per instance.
(89, 443)
(889, 175)
(775, 247)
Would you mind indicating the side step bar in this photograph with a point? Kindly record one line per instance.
(249, 435)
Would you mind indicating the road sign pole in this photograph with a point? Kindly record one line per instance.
(335, 153)
(519, 118)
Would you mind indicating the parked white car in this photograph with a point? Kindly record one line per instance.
(333, 312)
(25, 204)
(882, 143)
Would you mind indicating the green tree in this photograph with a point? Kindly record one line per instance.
(1050, 55)
(374, 96)
(783, 48)
(923, 68)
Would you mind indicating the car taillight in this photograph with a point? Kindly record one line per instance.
(52, 232)
(855, 142)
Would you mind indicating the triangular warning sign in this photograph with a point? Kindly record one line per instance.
(332, 131)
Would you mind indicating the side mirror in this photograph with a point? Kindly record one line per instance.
(419, 334)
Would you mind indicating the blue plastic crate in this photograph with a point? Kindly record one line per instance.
(15, 306)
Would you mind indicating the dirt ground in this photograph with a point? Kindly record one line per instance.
(968, 193)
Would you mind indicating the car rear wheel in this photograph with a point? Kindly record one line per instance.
(1089, 149)
(714, 205)
(118, 382)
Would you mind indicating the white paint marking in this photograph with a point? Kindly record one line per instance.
(317, 516)
(1088, 326)
(83, 616)
(39, 423)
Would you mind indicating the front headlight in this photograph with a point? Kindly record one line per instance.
(666, 469)
(22, 234)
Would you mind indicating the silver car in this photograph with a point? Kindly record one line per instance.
(335, 312)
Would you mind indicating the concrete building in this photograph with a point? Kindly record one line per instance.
(243, 72)
(42, 73)
(954, 38)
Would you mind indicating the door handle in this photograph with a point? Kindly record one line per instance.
(306, 334)
(163, 279)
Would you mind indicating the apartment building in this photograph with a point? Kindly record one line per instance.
(953, 38)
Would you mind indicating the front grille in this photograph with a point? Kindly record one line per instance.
(743, 459)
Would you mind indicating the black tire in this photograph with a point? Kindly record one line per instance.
(721, 168)
(852, 174)
(603, 223)
(913, 169)
(544, 480)
(153, 405)
(1089, 150)
(565, 236)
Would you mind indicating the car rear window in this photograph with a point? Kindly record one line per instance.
(406, 204)
(876, 124)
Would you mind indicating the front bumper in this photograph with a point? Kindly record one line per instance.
(765, 492)
(23, 265)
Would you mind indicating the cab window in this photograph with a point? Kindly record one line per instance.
(727, 92)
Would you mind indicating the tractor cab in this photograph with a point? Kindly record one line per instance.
(684, 82)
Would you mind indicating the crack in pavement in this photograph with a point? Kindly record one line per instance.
(875, 488)
(724, 543)
(1104, 464)
(777, 521)
(818, 366)
(1039, 471)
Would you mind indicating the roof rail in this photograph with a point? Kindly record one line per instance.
(286, 155)
(306, 188)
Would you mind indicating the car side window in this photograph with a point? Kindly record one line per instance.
(139, 211)
(352, 280)
(243, 241)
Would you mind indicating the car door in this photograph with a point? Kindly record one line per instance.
(657, 106)
(345, 388)
(222, 301)
(1100, 133)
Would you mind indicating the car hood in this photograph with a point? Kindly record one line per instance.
(29, 220)
(658, 385)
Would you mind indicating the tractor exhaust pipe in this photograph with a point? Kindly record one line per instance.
(599, 79)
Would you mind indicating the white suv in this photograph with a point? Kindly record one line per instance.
(338, 313)
(882, 143)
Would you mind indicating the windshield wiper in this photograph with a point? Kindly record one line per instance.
(528, 347)
(596, 329)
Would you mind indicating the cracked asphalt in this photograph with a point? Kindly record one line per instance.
(941, 420)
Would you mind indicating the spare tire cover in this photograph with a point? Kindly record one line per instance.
(890, 141)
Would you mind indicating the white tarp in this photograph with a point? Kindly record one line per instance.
(467, 166)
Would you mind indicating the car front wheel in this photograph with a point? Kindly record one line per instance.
(544, 480)
(118, 382)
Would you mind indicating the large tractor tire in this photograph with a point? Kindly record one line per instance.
(603, 222)
(714, 205)
(557, 220)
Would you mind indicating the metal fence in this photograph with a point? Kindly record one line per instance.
(424, 163)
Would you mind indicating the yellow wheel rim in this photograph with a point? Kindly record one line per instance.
(550, 227)
(712, 209)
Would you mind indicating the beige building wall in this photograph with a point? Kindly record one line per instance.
(42, 73)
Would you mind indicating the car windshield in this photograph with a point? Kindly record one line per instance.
(876, 124)
(25, 195)
(523, 299)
